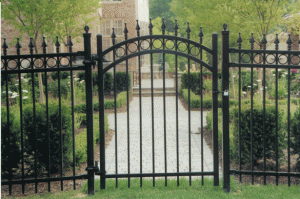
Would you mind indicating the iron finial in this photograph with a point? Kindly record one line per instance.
(18, 45)
(31, 45)
(57, 44)
(201, 35)
(163, 26)
(150, 26)
(125, 31)
(289, 42)
(4, 46)
(137, 28)
(70, 43)
(239, 41)
(276, 42)
(176, 28)
(188, 30)
(113, 36)
(86, 28)
(264, 41)
(225, 26)
(252, 40)
(44, 44)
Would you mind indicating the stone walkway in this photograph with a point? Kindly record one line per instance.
(159, 139)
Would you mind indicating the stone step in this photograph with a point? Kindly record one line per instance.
(155, 94)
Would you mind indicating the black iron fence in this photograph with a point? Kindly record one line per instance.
(261, 133)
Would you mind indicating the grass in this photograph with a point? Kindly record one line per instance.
(183, 191)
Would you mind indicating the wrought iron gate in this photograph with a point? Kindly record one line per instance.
(127, 47)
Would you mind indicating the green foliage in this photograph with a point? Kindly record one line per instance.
(108, 79)
(282, 89)
(62, 74)
(257, 126)
(40, 129)
(295, 133)
(195, 81)
(121, 80)
(64, 88)
(80, 108)
(108, 104)
(81, 140)
(161, 9)
(10, 151)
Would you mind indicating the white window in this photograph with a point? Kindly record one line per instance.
(108, 25)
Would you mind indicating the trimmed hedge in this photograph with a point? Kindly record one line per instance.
(81, 141)
(121, 80)
(62, 75)
(270, 134)
(108, 104)
(40, 143)
(10, 152)
(108, 80)
(295, 133)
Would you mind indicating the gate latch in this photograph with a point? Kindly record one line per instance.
(225, 93)
(95, 169)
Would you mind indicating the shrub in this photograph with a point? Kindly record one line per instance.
(81, 141)
(41, 142)
(295, 133)
(270, 134)
(62, 74)
(195, 100)
(10, 152)
(108, 79)
(121, 80)
(64, 88)
(282, 89)
(80, 108)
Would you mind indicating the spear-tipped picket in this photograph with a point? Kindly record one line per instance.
(252, 41)
(125, 31)
(163, 26)
(4, 46)
(44, 45)
(201, 35)
(239, 41)
(31, 45)
(289, 42)
(264, 42)
(113, 36)
(18, 46)
(276, 42)
(70, 43)
(176, 28)
(57, 44)
(86, 28)
(150, 27)
(188, 30)
(225, 27)
(137, 28)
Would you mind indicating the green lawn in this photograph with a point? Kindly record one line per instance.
(183, 191)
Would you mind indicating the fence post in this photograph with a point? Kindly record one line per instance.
(225, 108)
(215, 108)
(101, 111)
(89, 110)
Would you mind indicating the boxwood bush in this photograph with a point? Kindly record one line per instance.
(295, 133)
(108, 80)
(40, 143)
(10, 152)
(270, 134)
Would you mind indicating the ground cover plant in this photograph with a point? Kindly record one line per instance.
(174, 191)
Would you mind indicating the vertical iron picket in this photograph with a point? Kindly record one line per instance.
(188, 31)
(215, 109)
(240, 90)
(101, 112)
(225, 107)
(276, 105)
(289, 47)
(89, 111)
